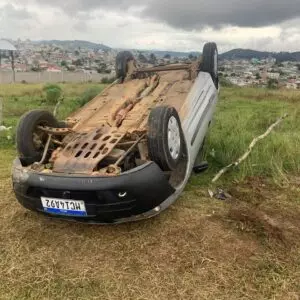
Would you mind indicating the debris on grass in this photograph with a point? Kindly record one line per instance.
(220, 194)
(3, 128)
(6, 132)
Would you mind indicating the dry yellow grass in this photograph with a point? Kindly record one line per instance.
(247, 248)
(244, 248)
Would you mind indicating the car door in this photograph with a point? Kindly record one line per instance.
(201, 103)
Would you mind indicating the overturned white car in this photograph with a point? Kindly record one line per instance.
(127, 154)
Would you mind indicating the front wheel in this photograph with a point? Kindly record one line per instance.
(30, 139)
(165, 137)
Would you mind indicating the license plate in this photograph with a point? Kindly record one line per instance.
(64, 207)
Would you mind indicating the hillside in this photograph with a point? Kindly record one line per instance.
(249, 54)
(71, 45)
(229, 55)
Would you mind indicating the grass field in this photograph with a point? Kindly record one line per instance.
(247, 247)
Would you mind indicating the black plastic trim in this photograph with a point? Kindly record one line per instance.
(146, 187)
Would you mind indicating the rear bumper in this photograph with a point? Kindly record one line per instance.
(146, 190)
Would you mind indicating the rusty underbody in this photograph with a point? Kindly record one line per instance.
(102, 136)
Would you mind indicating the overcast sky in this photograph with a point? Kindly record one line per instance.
(184, 25)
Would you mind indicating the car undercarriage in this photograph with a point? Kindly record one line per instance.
(108, 136)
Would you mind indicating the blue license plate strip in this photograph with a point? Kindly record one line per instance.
(64, 207)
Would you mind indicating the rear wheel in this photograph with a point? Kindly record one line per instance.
(30, 139)
(122, 63)
(165, 138)
(210, 62)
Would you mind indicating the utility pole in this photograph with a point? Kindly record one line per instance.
(13, 65)
(0, 77)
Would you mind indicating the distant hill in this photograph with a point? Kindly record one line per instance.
(75, 44)
(230, 55)
(249, 54)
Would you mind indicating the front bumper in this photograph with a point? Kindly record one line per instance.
(146, 188)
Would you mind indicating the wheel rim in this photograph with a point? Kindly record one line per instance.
(216, 62)
(174, 141)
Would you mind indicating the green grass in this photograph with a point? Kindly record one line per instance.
(247, 247)
(243, 114)
(20, 98)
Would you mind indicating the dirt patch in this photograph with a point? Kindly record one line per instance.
(266, 210)
(260, 223)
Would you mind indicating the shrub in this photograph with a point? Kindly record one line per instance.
(225, 82)
(88, 95)
(107, 80)
(53, 93)
(272, 84)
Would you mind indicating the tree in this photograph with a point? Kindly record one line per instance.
(298, 66)
(76, 52)
(272, 83)
(152, 59)
(142, 58)
(257, 75)
(64, 63)
(36, 63)
(167, 56)
(35, 66)
(78, 62)
(192, 57)
(48, 55)
(102, 68)
(279, 64)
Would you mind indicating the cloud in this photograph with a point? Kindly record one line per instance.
(72, 7)
(9, 11)
(15, 19)
(271, 25)
(81, 26)
(194, 14)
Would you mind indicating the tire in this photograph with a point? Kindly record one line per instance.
(164, 149)
(121, 63)
(28, 151)
(210, 62)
